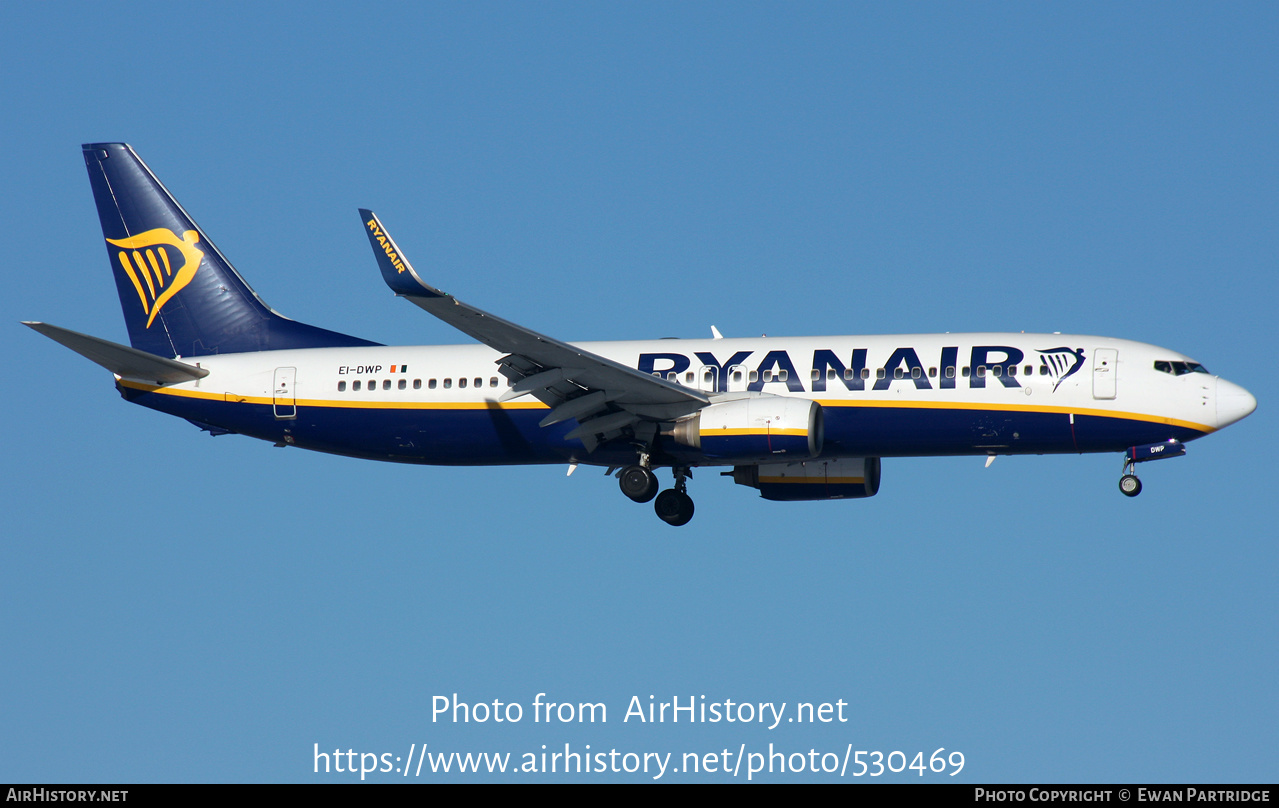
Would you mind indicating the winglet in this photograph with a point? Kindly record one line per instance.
(396, 269)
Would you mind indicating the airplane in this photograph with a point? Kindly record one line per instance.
(796, 418)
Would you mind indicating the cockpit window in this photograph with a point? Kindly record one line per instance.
(1179, 368)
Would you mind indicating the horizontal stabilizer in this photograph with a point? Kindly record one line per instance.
(123, 361)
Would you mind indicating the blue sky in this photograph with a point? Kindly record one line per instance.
(180, 608)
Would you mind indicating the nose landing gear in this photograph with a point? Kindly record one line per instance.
(1129, 484)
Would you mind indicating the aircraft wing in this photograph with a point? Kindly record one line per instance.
(604, 396)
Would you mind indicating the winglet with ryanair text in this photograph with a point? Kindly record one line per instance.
(396, 269)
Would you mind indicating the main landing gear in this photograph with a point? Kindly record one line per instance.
(673, 506)
(638, 483)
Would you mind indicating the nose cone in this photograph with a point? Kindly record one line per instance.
(1233, 403)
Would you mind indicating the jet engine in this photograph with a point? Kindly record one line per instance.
(759, 427)
(842, 478)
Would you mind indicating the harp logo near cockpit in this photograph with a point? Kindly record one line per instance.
(149, 259)
(1061, 362)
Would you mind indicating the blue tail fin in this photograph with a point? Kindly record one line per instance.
(180, 296)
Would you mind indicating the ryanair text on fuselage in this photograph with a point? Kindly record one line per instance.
(1000, 362)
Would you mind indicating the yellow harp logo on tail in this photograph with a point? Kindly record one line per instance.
(148, 261)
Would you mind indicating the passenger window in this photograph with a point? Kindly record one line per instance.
(1012, 370)
(341, 387)
(932, 373)
(754, 375)
(492, 381)
(431, 384)
(404, 383)
(1029, 370)
(478, 382)
(737, 375)
(355, 385)
(997, 370)
(817, 374)
(448, 383)
(879, 374)
(865, 373)
(915, 373)
(784, 375)
(965, 372)
(417, 384)
(950, 371)
(848, 374)
(386, 384)
(688, 377)
(898, 373)
(462, 382)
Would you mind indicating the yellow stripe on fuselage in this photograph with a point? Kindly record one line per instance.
(535, 405)
(722, 433)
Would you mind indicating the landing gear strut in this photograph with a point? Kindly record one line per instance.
(674, 506)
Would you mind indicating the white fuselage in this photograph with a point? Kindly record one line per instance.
(918, 394)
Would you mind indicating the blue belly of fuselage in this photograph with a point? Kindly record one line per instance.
(497, 435)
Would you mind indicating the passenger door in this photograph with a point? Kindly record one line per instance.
(283, 398)
(1105, 366)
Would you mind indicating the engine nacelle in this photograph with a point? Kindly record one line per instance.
(759, 427)
(842, 478)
